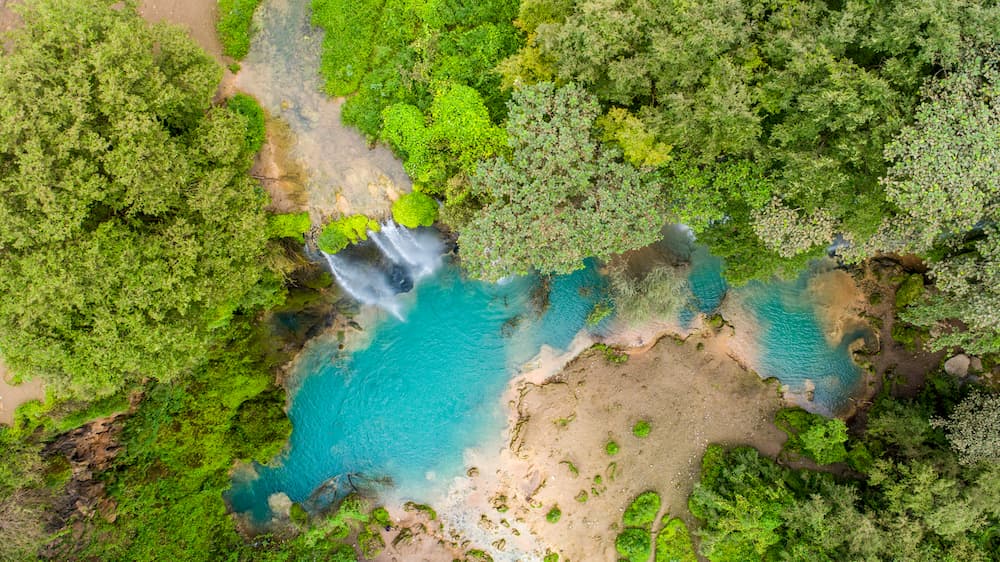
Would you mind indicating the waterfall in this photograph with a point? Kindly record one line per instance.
(406, 256)
(419, 251)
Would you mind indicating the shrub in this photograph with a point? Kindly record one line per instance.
(641, 429)
(380, 516)
(553, 515)
(248, 107)
(642, 511)
(673, 543)
(235, 26)
(909, 290)
(633, 544)
(371, 542)
(338, 234)
(611, 355)
(415, 209)
(288, 225)
(659, 294)
(819, 438)
(601, 311)
(611, 448)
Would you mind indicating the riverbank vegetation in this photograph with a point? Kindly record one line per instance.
(917, 496)
(235, 26)
(136, 263)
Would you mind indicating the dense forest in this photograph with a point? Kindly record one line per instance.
(140, 269)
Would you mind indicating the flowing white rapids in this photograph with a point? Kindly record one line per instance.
(413, 255)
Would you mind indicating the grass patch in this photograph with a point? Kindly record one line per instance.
(553, 515)
(611, 355)
(642, 511)
(641, 429)
(235, 26)
(611, 448)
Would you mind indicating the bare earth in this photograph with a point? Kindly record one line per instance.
(12, 396)
(198, 17)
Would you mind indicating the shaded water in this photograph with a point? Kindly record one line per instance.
(281, 72)
(422, 391)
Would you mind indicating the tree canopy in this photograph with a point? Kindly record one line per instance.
(560, 196)
(128, 224)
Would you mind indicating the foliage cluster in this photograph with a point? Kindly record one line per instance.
(672, 542)
(943, 179)
(767, 152)
(235, 26)
(339, 234)
(913, 501)
(415, 209)
(812, 435)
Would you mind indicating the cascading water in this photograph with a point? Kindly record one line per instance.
(405, 257)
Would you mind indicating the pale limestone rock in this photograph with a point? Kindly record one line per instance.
(957, 366)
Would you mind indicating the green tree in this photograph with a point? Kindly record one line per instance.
(944, 181)
(560, 196)
(974, 428)
(128, 223)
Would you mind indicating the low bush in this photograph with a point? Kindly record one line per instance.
(642, 511)
(248, 107)
(673, 543)
(814, 436)
(611, 448)
(641, 429)
(633, 544)
(415, 209)
(553, 515)
(288, 225)
(342, 232)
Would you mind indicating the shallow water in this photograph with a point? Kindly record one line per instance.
(281, 72)
(423, 391)
(786, 332)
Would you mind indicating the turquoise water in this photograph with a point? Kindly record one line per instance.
(406, 406)
(793, 348)
(399, 413)
(791, 345)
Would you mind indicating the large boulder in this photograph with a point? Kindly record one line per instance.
(958, 366)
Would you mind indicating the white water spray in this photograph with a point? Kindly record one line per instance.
(411, 256)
